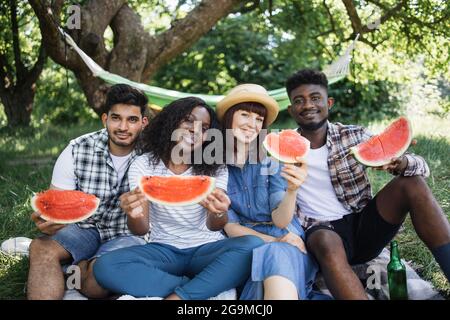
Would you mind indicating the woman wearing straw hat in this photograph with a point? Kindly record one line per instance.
(263, 197)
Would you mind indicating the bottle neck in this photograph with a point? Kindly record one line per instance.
(394, 251)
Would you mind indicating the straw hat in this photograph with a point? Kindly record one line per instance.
(248, 92)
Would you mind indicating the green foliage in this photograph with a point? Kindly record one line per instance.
(29, 35)
(27, 157)
(267, 44)
(58, 101)
(358, 103)
(265, 48)
(237, 50)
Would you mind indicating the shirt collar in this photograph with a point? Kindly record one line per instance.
(101, 144)
(332, 133)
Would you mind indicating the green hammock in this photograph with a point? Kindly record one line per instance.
(161, 97)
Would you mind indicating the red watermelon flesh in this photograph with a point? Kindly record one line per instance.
(65, 206)
(176, 190)
(287, 145)
(391, 143)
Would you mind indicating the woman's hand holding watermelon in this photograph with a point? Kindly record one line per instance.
(134, 203)
(46, 227)
(217, 202)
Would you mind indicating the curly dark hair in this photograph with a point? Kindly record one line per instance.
(156, 137)
(306, 76)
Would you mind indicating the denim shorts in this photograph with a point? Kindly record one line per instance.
(85, 244)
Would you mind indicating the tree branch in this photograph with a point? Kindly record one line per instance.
(330, 18)
(5, 76)
(353, 15)
(48, 18)
(389, 13)
(33, 74)
(412, 19)
(364, 29)
(184, 33)
(96, 16)
(130, 44)
(20, 68)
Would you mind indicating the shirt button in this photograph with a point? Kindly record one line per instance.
(245, 188)
(248, 206)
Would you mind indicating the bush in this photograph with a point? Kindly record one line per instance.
(362, 103)
(59, 99)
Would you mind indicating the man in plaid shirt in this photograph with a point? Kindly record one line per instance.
(344, 224)
(95, 163)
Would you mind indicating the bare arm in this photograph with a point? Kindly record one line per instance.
(295, 176)
(236, 230)
(283, 214)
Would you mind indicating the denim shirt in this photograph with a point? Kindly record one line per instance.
(255, 191)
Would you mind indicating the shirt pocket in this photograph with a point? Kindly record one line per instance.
(261, 193)
(350, 173)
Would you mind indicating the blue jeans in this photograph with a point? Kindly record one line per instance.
(84, 244)
(157, 270)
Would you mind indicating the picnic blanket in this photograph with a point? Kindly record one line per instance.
(373, 275)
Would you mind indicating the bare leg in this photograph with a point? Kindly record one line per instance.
(279, 288)
(45, 277)
(412, 194)
(172, 296)
(89, 286)
(327, 247)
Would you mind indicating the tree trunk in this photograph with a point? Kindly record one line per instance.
(136, 54)
(17, 81)
(18, 106)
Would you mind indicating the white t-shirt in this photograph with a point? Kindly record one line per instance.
(64, 173)
(183, 226)
(316, 196)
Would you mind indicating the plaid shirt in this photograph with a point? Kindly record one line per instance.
(348, 176)
(95, 174)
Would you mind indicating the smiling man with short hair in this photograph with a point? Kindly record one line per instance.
(95, 163)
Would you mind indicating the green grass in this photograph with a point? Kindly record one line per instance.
(436, 151)
(26, 163)
(27, 158)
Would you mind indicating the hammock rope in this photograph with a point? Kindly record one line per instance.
(335, 72)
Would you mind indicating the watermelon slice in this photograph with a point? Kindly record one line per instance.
(176, 190)
(391, 143)
(287, 145)
(64, 206)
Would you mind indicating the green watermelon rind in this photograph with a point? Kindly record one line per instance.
(195, 200)
(284, 159)
(354, 150)
(61, 221)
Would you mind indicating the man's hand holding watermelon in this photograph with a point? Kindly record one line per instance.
(397, 165)
(46, 227)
